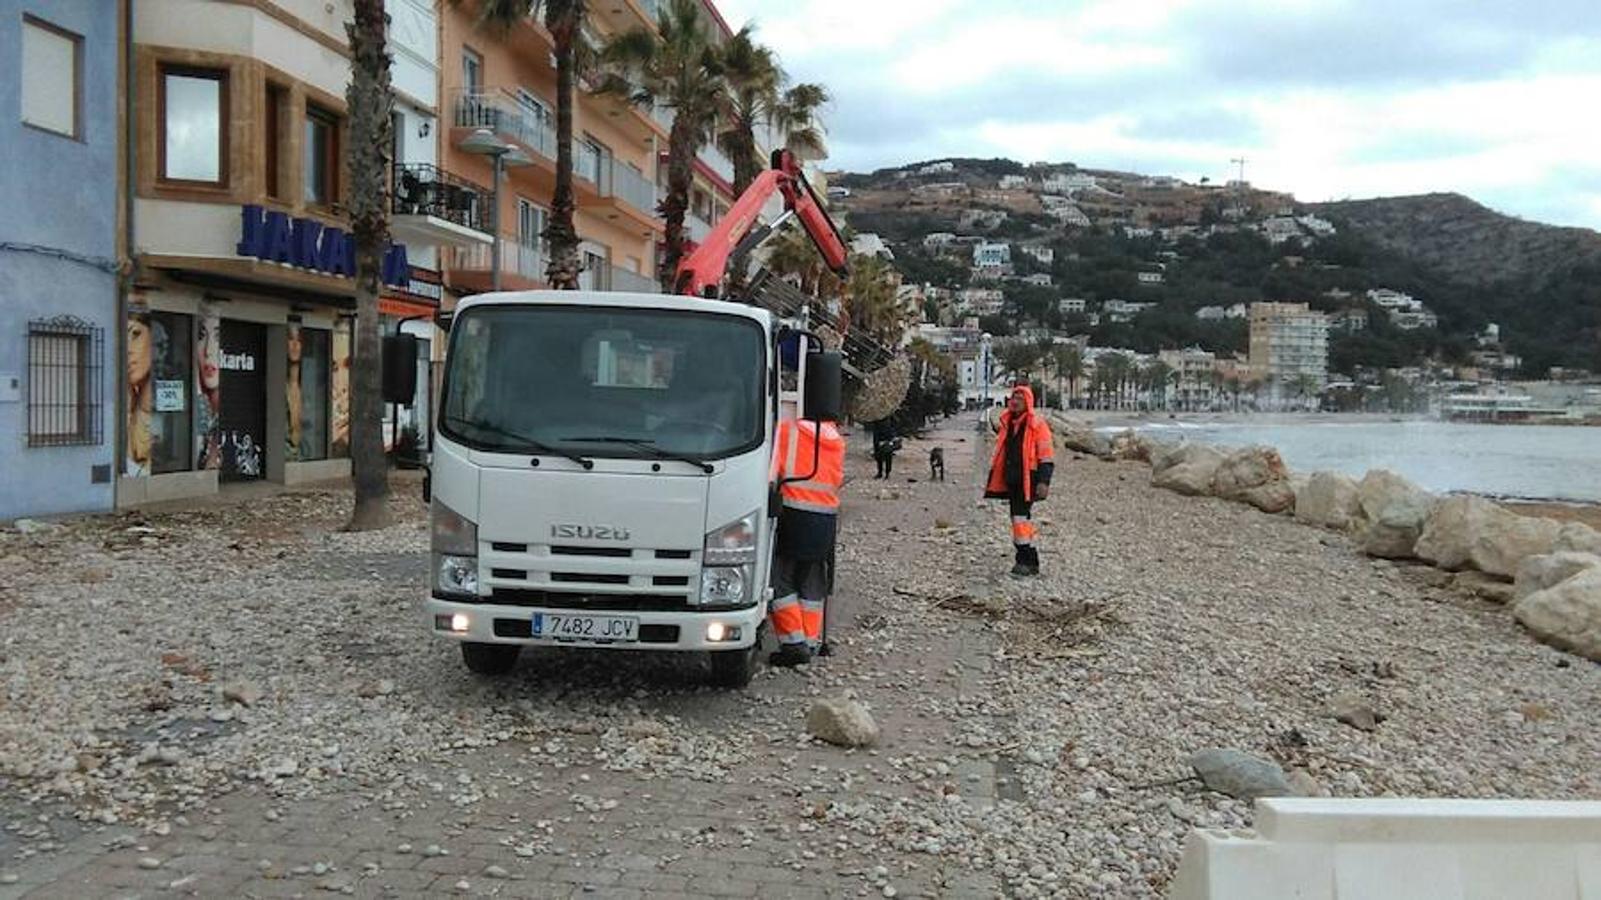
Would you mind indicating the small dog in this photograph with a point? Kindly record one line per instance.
(936, 464)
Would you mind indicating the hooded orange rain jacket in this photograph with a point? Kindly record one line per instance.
(1038, 455)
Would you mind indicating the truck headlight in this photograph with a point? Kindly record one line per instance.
(724, 585)
(455, 576)
(454, 542)
(732, 544)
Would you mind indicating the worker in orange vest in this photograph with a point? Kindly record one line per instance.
(1020, 472)
(814, 454)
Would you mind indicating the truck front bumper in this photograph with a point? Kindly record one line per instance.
(687, 631)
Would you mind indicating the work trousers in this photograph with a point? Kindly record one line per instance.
(886, 461)
(800, 600)
(1023, 529)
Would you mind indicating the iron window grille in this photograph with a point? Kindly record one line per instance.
(66, 399)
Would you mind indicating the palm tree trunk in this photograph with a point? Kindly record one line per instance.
(560, 234)
(370, 103)
(674, 206)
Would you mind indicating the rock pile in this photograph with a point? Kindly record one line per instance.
(1544, 565)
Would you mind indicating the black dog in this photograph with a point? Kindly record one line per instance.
(936, 464)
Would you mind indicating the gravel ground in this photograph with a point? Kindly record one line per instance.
(166, 674)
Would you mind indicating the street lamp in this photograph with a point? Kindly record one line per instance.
(483, 142)
(983, 379)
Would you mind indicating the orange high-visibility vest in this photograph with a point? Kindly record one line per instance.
(796, 448)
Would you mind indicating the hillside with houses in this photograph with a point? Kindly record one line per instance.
(1213, 295)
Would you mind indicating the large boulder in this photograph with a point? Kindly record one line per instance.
(1567, 614)
(842, 721)
(1449, 531)
(1331, 500)
(1188, 469)
(1381, 487)
(1130, 444)
(1505, 539)
(1085, 440)
(1394, 534)
(1255, 475)
(1536, 573)
(1577, 537)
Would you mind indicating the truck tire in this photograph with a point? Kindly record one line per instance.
(735, 668)
(489, 659)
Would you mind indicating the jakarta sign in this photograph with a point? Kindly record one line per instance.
(272, 236)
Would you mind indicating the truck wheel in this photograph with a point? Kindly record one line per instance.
(489, 659)
(734, 668)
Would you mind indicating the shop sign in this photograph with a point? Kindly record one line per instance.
(238, 362)
(272, 236)
(170, 395)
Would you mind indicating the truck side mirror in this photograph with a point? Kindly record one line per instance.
(824, 396)
(400, 369)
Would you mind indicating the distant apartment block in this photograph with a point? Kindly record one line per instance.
(938, 241)
(1067, 182)
(1123, 310)
(1289, 341)
(1150, 277)
(992, 255)
(1195, 376)
(1349, 320)
(1042, 255)
(869, 244)
(981, 301)
(1013, 182)
(974, 219)
(937, 168)
(1405, 311)
(1069, 214)
(1071, 306)
(1039, 279)
(1220, 313)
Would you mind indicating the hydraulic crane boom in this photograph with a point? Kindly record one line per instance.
(701, 273)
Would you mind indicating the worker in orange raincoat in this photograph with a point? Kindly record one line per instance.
(814, 453)
(1020, 472)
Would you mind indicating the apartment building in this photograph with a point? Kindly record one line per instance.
(502, 86)
(243, 293)
(60, 78)
(1195, 372)
(1289, 341)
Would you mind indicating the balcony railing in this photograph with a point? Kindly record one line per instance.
(718, 163)
(697, 227)
(425, 190)
(633, 188)
(628, 281)
(516, 258)
(500, 111)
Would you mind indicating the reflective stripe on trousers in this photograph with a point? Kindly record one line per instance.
(1023, 531)
(789, 620)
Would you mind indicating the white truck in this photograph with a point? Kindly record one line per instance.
(601, 467)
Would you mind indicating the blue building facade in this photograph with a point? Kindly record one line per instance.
(59, 189)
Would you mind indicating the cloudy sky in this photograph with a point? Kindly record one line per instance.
(1329, 99)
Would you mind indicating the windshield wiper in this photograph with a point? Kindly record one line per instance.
(649, 447)
(524, 442)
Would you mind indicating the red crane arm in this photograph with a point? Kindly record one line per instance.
(701, 273)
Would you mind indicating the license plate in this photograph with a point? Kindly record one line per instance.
(563, 626)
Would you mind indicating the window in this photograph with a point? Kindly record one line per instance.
(591, 160)
(322, 157)
(159, 375)
(307, 392)
(277, 109)
(530, 223)
(64, 390)
(51, 70)
(192, 143)
(472, 71)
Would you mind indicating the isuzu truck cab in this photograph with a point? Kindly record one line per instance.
(600, 476)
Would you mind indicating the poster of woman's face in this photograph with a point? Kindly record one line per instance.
(140, 397)
(208, 383)
(339, 417)
(292, 401)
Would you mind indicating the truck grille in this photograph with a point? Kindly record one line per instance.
(570, 569)
(578, 600)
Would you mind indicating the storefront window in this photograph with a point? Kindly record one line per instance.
(308, 393)
(159, 433)
(339, 391)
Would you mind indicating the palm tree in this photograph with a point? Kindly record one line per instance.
(1158, 374)
(1017, 358)
(564, 19)
(754, 79)
(678, 66)
(871, 302)
(796, 115)
(370, 101)
(757, 97)
(1070, 365)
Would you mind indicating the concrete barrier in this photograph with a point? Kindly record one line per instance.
(1397, 849)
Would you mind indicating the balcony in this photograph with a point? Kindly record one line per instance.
(522, 266)
(717, 162)
(632, 187)
(618, 182)
(697, 227)
(616, 278)
(431, 207)
(500, 111)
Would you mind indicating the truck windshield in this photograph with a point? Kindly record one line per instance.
(605, 382)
